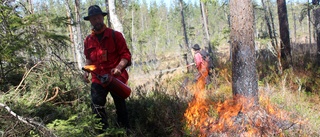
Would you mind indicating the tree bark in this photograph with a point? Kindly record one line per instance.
(266, 17)
(108, 15)
(113, 17)
(309, 29)
(244, 75)
(72, 29)
(294, 23)
(277, 48)
(205, 21)
(284, 34)
(133, 38)
(272, 22)
(78, 39)
(186, 44)
(316, 14)
(30, 6)
(204, 16)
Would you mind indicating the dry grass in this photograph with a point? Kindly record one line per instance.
(286, 93)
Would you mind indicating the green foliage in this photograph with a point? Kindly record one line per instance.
(53, 92)
(75, 126)
(24, 42)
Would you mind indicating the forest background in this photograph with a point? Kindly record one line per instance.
(42, 92)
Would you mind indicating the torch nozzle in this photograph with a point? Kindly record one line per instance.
(87, 70)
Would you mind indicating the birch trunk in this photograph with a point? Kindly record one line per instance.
(78, 41)
(113, 17)
(72, 29)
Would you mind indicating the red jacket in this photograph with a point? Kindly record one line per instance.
(95, 51)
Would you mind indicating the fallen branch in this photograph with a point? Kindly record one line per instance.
(25, 76)
(30, 122)
(50, 99)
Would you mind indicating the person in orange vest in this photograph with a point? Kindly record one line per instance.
(107, 50)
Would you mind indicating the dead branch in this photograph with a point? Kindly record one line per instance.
(26, 75)
(50, 99)
(30, 122)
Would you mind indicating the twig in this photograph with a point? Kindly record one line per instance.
(30, 122)
(53, 97)
(26, 75)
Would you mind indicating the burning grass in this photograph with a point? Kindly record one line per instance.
(239, 116)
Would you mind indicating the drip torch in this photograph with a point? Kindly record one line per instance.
(116, 86)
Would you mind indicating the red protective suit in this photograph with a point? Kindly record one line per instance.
(106, 55)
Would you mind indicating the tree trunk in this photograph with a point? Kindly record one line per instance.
(72, 29)
(309, 29)
(266, 17)
(108, 15)
(78, 41)
(272, 22)
(184, 34)
(205, 21)
(316, 14)
(294, 23)
(277, 48)
(113, 16)
(30, 6)
(133, 34)
(204, 16)
(284, 34)
(244, 75)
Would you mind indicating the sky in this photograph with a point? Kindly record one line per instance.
(169, 2)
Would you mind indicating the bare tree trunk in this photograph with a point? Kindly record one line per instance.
(317, 26)
(184, 34)
(30, 6)
(272, 22)
(244, 75)
(205, 21)
(108, 15)
(78, 39)
(113, 17)
(284, 34)
(294, 23)
(309, 29)
(133, 34)
(275, 36)
(72, 29)
(266, 17)
(183, 25)
(316, 14)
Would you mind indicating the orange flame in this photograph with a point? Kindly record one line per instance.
(237, 116)
(90, 67)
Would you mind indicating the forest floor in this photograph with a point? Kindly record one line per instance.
(285, 94)
(169, 66)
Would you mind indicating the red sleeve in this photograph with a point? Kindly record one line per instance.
(123, 49)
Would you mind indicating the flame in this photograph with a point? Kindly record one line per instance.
(237, 116)
(90, 67)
